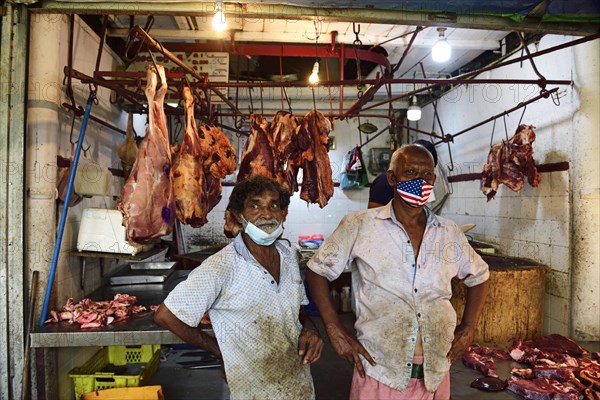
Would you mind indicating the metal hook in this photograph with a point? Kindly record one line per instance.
(505, 128)
(262, 111)
(493, 130)
(355, 30)
(156, 68)
(131, 40)
(451, 166)
(72, 126)
(555, 98)
(289, 102)
(251, 106)
(522, 114)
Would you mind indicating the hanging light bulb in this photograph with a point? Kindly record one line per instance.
(441, 51)
(219, 22)
(314, 76)
(413, 113)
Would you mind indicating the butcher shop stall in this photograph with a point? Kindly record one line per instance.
(124, 127)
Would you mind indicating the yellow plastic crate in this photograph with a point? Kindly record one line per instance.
(127, 393)
(116, 367)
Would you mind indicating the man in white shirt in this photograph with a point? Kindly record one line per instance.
(253, 292)
(403, 258)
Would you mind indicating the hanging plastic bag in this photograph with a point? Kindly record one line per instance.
(354, 174)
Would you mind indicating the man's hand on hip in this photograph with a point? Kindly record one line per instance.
(310, 345)
(348, 347)
(463, 337)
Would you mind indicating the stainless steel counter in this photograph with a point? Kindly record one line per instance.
(134, 331)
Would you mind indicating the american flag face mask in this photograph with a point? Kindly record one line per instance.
(415, 192)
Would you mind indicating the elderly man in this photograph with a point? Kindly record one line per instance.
(253, 292)
(404, 258)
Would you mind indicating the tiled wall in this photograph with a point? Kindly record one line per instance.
(302, 219)
(535, 222)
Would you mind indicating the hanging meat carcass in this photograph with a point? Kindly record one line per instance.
(127, 151)
(288, 146)
(147, 200)
(189, 183)
(258, 157)
(217, 151)
(317, 183)
(509, 163)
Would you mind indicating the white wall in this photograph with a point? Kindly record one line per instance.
(48, 135)
(536, 223)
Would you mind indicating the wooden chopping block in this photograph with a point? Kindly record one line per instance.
(127, 393)
(514, 308)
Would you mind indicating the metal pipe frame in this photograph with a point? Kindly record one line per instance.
(143, 35)
(353, 82)
(459, 79)
(544, 94)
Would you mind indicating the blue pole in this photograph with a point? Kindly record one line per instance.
(63, 217)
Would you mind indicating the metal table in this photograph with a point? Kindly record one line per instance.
(134, 331)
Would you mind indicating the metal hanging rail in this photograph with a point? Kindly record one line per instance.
(459, 79)
(353, 82)
(544, 94)
(138, 32)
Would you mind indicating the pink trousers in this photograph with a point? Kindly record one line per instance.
(371, 389)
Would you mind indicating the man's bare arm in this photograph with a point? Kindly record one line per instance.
(191, 335)
(465, 332)
(343, 342)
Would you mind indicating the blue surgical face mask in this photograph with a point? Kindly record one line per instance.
(261, 237)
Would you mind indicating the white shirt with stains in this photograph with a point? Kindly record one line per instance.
(395, 294)
(255, 320)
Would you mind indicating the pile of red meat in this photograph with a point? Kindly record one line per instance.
(93, 314)
(509, 162)
(281, 148)
(557, 369)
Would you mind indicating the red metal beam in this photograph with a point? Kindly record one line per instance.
(542, 168)
(277, 50)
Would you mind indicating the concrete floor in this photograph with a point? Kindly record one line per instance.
(331, 375)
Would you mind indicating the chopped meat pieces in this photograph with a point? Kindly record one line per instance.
(93, 314)
(479, 362)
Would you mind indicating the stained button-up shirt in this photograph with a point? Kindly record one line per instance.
(254, 318)
(396, 294)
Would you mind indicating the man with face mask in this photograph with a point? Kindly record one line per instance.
(403, 258)
(253, 293)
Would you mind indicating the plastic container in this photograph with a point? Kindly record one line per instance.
(91, 377)
(102, 230)
(92, 179)
(130, 393)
